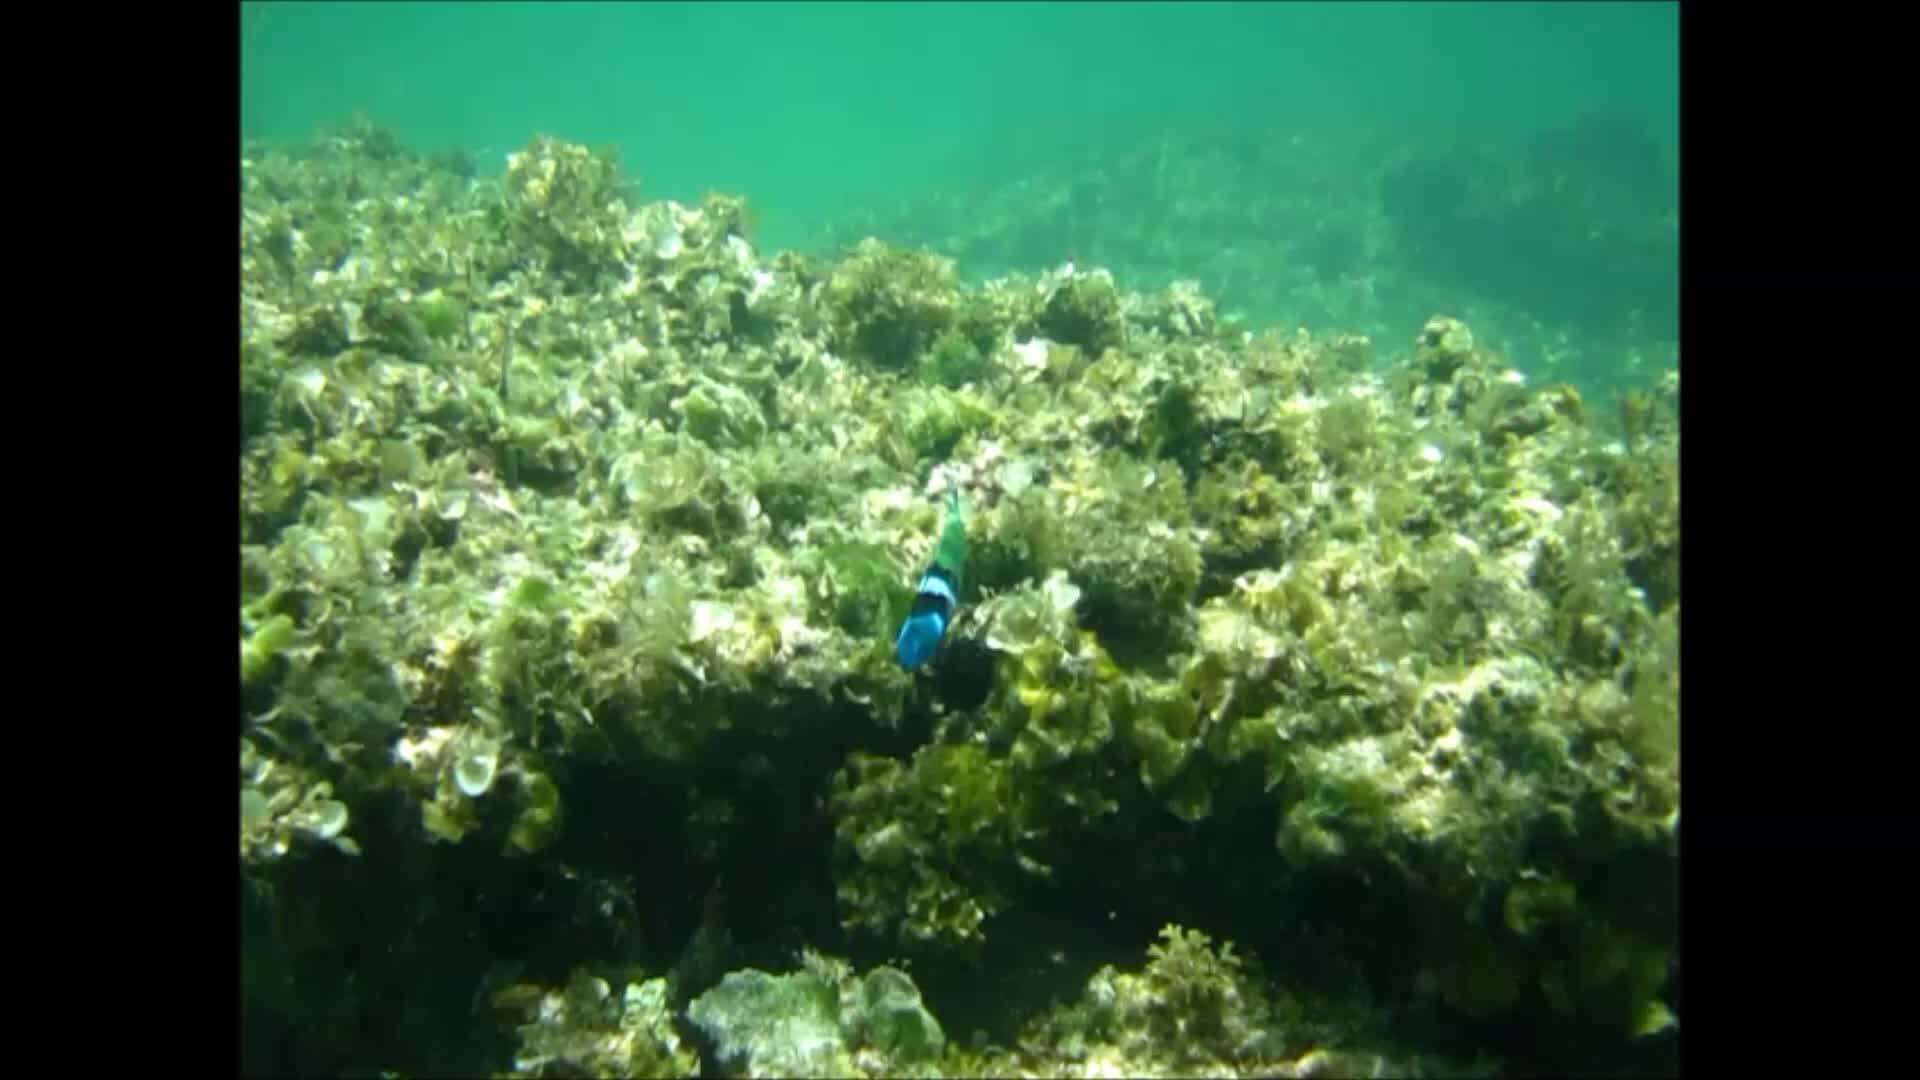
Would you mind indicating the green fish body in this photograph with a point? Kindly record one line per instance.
(938, 595)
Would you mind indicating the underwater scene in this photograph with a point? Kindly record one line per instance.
(1054, 540)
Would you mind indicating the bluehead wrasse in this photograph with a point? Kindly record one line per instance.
(938, 594)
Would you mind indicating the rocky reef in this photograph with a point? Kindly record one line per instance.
(1561, 244)
(1581, 225)
(574, 530)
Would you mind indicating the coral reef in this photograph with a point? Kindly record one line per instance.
(573, 535)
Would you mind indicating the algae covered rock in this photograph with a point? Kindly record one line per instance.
(283, 808)
(586, 1030)
(888, 306)
(925, 847)
(893, 1020)
(1257, 632)
(567, 202)
(774, 1025)
(1196, 1009)
(819, 1021)
(1083, 310)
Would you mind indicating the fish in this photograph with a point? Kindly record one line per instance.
(938, 594)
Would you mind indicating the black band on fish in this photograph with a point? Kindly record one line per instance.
(935, 594)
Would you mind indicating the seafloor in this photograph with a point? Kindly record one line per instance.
(1312, 707)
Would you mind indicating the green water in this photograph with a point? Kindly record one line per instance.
(806, 109)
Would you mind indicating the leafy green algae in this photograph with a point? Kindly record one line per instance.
(1413, 629)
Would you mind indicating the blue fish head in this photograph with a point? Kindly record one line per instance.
(919, 638)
